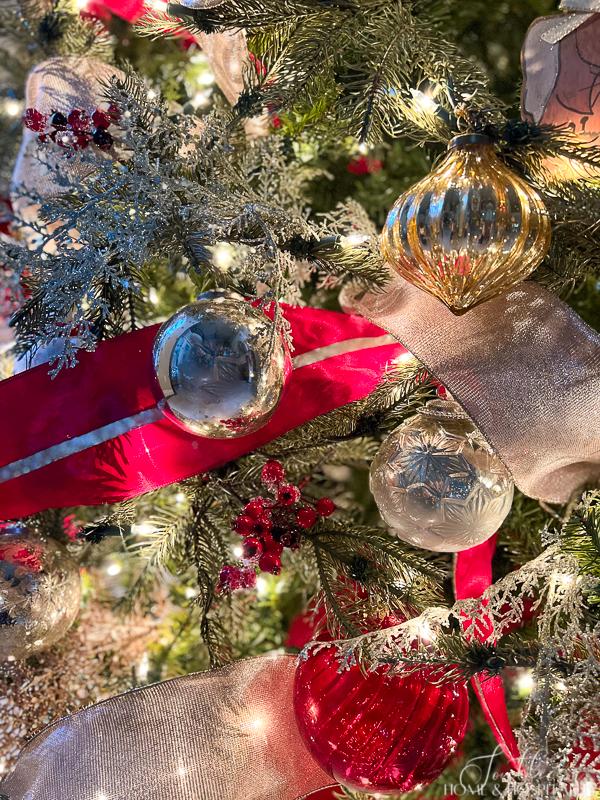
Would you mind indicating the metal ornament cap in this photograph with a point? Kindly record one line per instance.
(438, 484)
(470, 230)
(219, 367)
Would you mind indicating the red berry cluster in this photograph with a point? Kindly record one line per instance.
(364, 165)
(270, 524)
(76, 130)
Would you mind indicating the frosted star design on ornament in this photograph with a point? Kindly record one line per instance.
(437, 482)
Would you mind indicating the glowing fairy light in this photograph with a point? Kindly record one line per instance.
(238, 551)
(12, 107)
(143, 668)
(114, 569)
(354, 239)
(262, 587)
(143, 529)
(587, 790)
(423, 102)
(223, 256)
(526, 682)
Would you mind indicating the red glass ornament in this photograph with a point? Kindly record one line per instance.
(377, 732)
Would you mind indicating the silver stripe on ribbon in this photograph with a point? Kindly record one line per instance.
(121, 426)
(340, 348)
(78, 443)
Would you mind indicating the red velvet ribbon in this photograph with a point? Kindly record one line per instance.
(472, 576)
(117, 381)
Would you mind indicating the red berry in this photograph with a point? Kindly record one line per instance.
(288, 494)
(306, 517)
(272, 473)
(79, 120)
(272, 546)
(82, 141)
(101, 119)
(269, 562)
(232, 578)
(325, 507)
(248, 578)
(244, 525)
(258, 507)
(442, 392)
(114, 112)
(252, 547)
(262, 526)
(35, 120)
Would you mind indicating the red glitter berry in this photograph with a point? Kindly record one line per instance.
(262, 526)
(35, 120)
(101, 119)
(288, 494)
(244, 525)
(442, 392)
(258, 507)
(272, 473)
(114, 112)
(306, 517)
(252, 547)
(269, 562)
(325, 507)
(232, 578)
(272, 546)
(248, 578)
(79, 120)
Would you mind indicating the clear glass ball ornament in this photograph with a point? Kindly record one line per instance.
(438, 484)
(220, 368)
(39, 593)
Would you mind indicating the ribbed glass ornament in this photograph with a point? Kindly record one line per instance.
(470, 230)
(378, 731)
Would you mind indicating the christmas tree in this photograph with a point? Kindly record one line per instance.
(300, 373)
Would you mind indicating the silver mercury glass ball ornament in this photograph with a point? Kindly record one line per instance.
(219, 366)
(437, 482)
(39, 592)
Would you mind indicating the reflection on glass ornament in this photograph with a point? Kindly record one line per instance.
(470, 230)
(219, 366)
(39, 592)
(377, 732)
(438, 484)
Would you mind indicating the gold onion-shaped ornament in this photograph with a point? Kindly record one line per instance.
(470, 230)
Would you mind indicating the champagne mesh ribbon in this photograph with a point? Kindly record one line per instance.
(222, 735)
(524, 366)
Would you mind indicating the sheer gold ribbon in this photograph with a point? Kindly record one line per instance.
(222, 735)
(524, 366)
